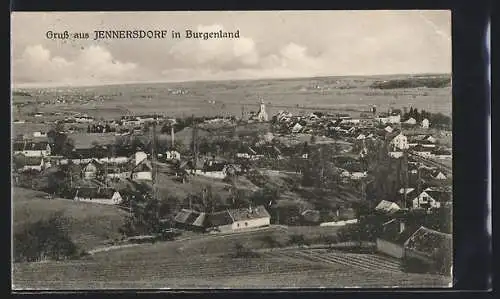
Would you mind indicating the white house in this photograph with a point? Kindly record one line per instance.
(411, 121)
(33, 163)
(32, 149)
(352, 121)
(395, 119)
(142, 171)
(396, 155)
(425, 123)
(440, 176)
(361, 136)
(358, 175)
(391, 241)
(172, 155)
(238, 219)
(296, 128)
(431, 199)
(400, 142)
(106, 196)
(388, 129)
(39, 134)
(139, 157)
(114, 160)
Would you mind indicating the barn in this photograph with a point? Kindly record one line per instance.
(190, 220)
(429, 250)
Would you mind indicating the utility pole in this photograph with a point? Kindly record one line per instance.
(405, 157)
(153, 160)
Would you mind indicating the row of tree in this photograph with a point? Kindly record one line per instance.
(437, 120)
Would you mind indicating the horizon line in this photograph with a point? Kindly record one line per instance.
(97, 84)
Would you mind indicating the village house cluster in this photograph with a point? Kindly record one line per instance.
(102, 164)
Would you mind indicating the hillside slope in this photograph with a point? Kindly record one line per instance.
(90, 225)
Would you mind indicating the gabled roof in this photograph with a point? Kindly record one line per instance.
(219, 219)
(387, 207)
(428, 241)
(392, 234)
(94, 162)
(250, 213)
(190, 217)
(144, 165)
(441, 196)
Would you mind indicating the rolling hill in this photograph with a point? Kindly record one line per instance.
(90, 225)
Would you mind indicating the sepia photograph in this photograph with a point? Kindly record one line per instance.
(231, 150)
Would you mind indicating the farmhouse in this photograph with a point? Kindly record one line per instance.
(33, 163)
(431, 199)
(430, 249)
(238, 219)
(92, 169)
(190, 220)
(142, 171)
(107, 196)
(392, 239)
(439, 175)
(32, 149)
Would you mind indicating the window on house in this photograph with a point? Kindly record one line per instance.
(246, 223)
(238, 225)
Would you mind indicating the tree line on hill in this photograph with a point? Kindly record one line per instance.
(437, 120)
(416, 82)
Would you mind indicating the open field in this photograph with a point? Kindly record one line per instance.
(90, 225)
(204, 263)
(335, 94)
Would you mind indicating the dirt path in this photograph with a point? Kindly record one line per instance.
(218, 235)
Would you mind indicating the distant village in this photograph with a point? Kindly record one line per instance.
(86, 151)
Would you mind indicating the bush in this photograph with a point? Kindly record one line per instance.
(45, 239)
(299, 240)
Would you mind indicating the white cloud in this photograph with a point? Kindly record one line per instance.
(237, 58)
(93, 64)
(284, 44)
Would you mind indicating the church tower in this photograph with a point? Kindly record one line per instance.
(262, 115)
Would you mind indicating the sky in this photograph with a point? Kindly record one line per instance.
(282, 44)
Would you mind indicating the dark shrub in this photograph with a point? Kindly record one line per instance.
(45, 239)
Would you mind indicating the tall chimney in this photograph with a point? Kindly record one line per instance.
(401, 226)
(172, 133)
